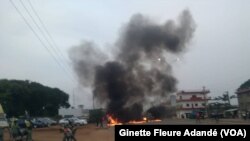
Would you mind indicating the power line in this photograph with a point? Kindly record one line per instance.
(43, 34)
(46, 30)
(54, 49)
(38, 37)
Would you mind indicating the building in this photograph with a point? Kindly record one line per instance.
(173, 100)
(188, 103)
(74, 112)
(244, 100)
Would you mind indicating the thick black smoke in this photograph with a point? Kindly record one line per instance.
(159, 112)
(140, 75)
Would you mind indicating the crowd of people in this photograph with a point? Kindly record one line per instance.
(18, 130)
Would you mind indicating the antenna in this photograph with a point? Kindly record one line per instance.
(74, 98)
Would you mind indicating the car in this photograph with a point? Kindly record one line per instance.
(44, 121)
(78, 121)
(64, 121)
(74, 120)
(4, 123)
(37, 124)
(50, 121)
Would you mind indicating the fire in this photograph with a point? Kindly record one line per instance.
(144, 120)
(137, 121)
(113, 121)
(156, 120)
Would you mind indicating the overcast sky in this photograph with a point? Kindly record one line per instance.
(218, 56)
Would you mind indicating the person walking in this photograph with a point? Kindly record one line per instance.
(197, 117)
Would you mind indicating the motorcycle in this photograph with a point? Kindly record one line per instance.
(69, 133)
(19, 135)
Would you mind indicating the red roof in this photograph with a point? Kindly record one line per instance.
(194, 108)
(194, 92)
(183, 100)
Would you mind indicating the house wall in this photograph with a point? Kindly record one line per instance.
(76, 112)
(188, 96)
(244, 101)
(188, 102)
(192, 104)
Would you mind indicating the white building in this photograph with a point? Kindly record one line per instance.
(173, 100)
(190, 102)
(76, 112)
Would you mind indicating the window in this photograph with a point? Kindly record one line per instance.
(196, 105)
(194, 96)
(187, 105)
(203, 104)
(180, 97)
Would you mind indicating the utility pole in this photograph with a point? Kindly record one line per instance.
(93, 101)
(73, 98)
(206, 101)
(227, 97)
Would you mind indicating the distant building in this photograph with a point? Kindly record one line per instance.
(75, 112)
(244, 100)
(190, 102)
(173, 100)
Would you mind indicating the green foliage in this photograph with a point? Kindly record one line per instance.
(245, 85)
(17, 96)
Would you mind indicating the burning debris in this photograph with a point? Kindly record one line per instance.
(139, 75)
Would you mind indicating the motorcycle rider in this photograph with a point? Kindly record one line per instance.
(69, 131)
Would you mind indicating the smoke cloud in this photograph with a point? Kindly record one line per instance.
(139, 76)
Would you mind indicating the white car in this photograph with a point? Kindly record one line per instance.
(64, 121)
(74, 120)
(78, 121)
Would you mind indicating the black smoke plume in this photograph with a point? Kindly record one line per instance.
(139, 75)
(159, 112)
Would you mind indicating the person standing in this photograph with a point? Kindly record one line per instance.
(29, 130)
(197, 117)
(14, 128)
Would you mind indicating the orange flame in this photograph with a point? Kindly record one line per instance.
(156, 120)
(113, 121)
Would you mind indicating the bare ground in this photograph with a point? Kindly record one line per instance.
(84, 133)
(92, 133)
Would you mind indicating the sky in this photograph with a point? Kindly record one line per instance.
(217, 57)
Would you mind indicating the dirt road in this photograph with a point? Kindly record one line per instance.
(92, 133)
(84, 133)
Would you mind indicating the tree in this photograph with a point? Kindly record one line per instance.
(18, 96)
(225, 98)
(245, 85)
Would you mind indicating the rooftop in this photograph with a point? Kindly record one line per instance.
(242, 91)
(194, 92)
